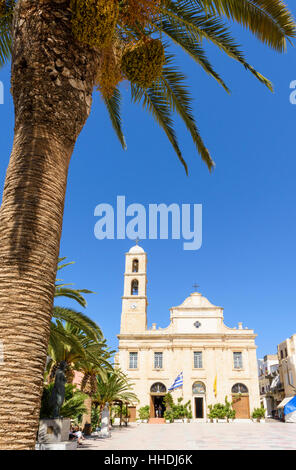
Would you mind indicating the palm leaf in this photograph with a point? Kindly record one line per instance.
(71, 294)
(198, 26)
(181, 34)
(78, 319)
(269, 20)
(178, 95)
(153, 101)
(113, 107)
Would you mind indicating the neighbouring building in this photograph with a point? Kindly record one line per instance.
(270, 385)
(216, 361)
(287, 368)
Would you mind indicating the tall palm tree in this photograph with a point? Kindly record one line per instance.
(59, 50)
(89, 386)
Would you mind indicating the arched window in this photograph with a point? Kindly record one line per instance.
(135, 287)
(158, 387)
(135, 265)
(239, 388)
(198, 387)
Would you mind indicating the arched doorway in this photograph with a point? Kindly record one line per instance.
(199, 400)
(157, 393)
(240, 401)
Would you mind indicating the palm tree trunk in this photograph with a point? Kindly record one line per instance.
(52, 83)
(86, 418)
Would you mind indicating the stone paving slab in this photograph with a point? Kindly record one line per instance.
(199, 436)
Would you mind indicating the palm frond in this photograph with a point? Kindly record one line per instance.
(78, 319)
(5, 31)
(5, 41)
(113, 107)
(154, 101)
(62, 342)
(180, 100)
(71, 294)
(61, 266)
(184, 36)
(198, 26)
(269, 20)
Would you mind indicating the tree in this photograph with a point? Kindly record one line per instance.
(59, 50)
(82, 353)
(70, 344)
(68, 327)
(113, 387)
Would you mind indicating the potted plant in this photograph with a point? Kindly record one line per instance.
(230, 416)
(229, 412)
(212, 415)
(186, 411)
(144, 413)
(221, 412)
(168, 401)
(168, 416)
(259, 415)
(178, 411)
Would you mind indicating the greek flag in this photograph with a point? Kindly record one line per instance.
(178, 382)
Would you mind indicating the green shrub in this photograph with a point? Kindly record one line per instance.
(258, 413)
(221, 411)
(168, 401)
(229, 412)
(180, 410)
(144, 412)
(169, 415)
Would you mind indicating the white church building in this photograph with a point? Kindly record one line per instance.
(216, 361)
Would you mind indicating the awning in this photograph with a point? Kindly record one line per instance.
(290, 407)
(284, 402)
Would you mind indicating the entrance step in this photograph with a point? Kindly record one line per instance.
(156, 420)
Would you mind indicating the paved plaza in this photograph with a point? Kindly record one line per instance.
(199, 436)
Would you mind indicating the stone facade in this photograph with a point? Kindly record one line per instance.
(271, 387)
(287, 365)
(196, 342)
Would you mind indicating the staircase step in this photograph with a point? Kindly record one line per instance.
(156, 420)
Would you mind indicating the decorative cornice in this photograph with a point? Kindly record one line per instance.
(175, 337)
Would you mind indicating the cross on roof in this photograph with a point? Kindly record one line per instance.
(137, 240)
(195, 286)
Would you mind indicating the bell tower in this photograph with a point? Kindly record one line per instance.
(134, 300)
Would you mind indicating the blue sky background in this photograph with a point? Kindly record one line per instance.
(247, 261)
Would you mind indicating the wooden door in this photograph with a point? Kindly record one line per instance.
(242, 406)
(132, 414)
(152, 410)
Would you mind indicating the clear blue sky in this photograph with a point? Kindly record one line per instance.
(247, 261)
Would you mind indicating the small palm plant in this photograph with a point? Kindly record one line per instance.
(113, 387)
